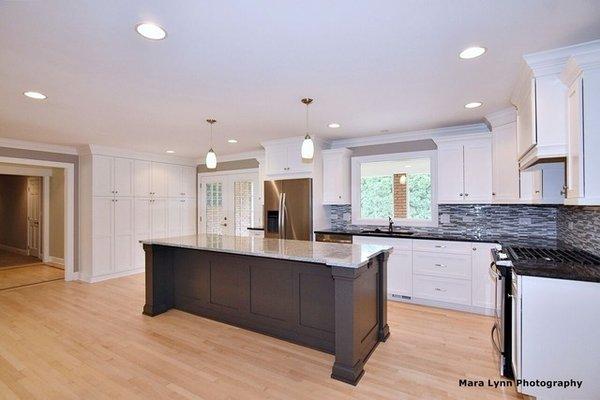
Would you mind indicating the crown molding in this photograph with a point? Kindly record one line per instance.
(553, 61)
(37, 146)
(411, 135)
(94, 149)
(502, 117)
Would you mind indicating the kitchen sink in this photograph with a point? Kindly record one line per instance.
(386, 232)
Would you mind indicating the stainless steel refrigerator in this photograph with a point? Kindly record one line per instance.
(288, 209)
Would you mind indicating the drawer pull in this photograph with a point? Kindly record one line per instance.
(440, 246)
(441, 265)
(439, 289)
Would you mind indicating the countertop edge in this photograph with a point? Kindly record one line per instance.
(267, 255)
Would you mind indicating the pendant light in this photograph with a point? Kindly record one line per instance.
(211, 156)
(308, 147)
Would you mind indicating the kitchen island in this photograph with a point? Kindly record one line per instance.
(327, 296)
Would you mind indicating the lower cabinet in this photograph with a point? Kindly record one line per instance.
(442, 273)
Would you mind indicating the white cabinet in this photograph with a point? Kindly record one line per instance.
(284, 157)
(465, 171)
(583, 134)
(142, 178)
(160, 179)
(505, 165)
(112, 176)
(336, 176)
(181, 181)
(188, 182)
(181, 217)
(524, 101)
(482, 284)
(113, 235)
(256, 233)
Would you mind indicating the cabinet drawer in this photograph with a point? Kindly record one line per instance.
(442, 246)
(442, 264)
(398, 244)
(442, 289)
(256, 233)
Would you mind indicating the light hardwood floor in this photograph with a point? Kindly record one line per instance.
(70, 340)
(29, 275)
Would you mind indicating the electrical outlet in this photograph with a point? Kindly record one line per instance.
(524, 221)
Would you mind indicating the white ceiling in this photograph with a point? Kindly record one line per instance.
(370, 65)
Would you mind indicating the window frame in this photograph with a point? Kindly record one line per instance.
(356, 184)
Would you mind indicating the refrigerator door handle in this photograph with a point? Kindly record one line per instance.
(279, 216)
(282, 213)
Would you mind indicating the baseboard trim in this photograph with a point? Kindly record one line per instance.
(449, 306)
(22, 252)
(55, 262)
(100, 278)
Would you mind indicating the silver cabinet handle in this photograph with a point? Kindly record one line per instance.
(441, 265)
(466, 194)
(439, 289)
(460, 194)
(440, 246)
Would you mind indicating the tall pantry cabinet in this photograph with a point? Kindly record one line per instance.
(125, 200)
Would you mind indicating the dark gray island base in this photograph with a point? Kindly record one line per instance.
(336, 309)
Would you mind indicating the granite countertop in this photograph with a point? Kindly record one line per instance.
(502, 240)
(332, 254)
(569, 271)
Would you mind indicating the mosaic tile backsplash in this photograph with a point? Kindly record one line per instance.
(580, 227)
(572, 226)
(476, 220)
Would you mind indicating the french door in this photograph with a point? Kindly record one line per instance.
(229, 204)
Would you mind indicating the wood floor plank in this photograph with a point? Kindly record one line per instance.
(70, 340)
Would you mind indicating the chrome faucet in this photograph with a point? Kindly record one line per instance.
(390, 225)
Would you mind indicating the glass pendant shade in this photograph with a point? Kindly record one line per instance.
(308, 148)
(211, 159)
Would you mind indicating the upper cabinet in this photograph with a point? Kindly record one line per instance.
(582, 78)
(336, 176)
(158, 179)
(283, 157)
(112, 176)
(465, 170)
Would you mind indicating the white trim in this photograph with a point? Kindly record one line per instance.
(444, 305)
(23, 170)
(26, 145)
(410, 135)
(69, 207)
(101, 278)
(553, 61)
(46, 218)
(22, 252)
(502, 117)
(355, 188)
(56, 262)
(94, 149)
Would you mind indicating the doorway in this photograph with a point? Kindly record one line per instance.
(34, 210)
(228, 203)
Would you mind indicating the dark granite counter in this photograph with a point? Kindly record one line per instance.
(569, 271)
(530, 241)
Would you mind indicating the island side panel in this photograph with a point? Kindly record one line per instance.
(159, 279)
(360, 318)
(384, 328)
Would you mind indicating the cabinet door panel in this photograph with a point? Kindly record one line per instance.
(158, 212)
(102, 175)
(102, 221)
(142, 178)
(188, 187)
(295, 161)
(174, 217)
(483, 285)
(333, 181)
(123, 177)
(142, 227)
(276, 157)
(159, 179)
(173, 180)
(526, 127)
(124, 234)
(450, 174)
(188, 217)
(478, 172)
(505, 180)
(575, 141)
(400, 270)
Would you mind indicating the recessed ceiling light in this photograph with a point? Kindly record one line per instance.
(151, 31)
(334, 125)
(170, 151)
(472, 52)
(474, 104)
(35, 95)
(232, 141)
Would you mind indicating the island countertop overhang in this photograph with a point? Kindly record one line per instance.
(331, 254)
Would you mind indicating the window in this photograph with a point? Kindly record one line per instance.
(400, 186)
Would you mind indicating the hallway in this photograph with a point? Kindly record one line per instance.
(18, 270)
